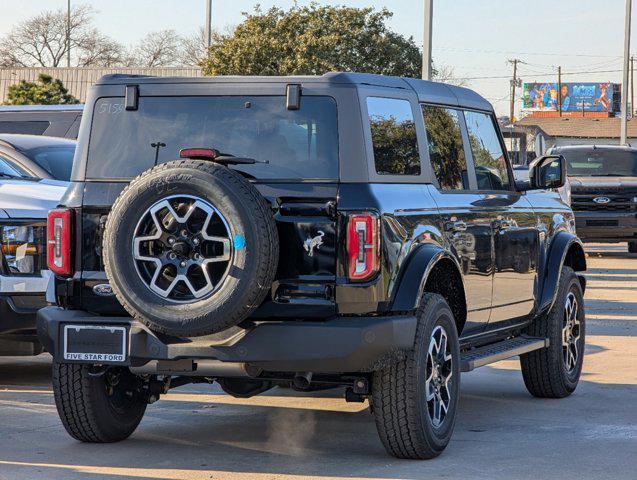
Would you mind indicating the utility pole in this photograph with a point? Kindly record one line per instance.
(427, 40)
(624, 112)
(68, 33)
(632, 86)
(514, 83)
(559, 89)
(208, 31)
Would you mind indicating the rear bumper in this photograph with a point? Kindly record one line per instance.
(338, 345)
(606, 226)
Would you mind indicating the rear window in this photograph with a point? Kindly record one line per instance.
(291, 144)
(56, 160)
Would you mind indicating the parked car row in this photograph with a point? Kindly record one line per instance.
(348, 230)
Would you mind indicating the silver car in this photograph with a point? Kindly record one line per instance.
(34, 174)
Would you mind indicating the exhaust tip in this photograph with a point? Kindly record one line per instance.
(302, 379)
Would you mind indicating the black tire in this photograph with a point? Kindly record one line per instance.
(90, 410)
(250, 270)
(399, 391)
(632, 247)
(545, 371)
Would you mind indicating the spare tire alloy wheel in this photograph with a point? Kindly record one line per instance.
(190, 248)
(175, 255)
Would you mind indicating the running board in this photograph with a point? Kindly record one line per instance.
(499, 351)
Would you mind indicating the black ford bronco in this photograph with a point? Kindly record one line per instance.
(344, 230)
(603, 182)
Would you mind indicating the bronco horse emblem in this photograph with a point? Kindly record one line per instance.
(311, 243)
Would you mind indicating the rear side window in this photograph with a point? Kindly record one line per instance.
(57, 161)
(393, 136)
(288, 144)
(446, 150)
(488, 156)
(24, 127)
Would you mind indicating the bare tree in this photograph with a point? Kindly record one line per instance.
(41, 41)
(447, 74)
(194, 48)
(158, 49)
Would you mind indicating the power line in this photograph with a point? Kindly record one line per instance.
(542, 73)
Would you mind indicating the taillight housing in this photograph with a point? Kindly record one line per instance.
(59, 230)
(362, 246)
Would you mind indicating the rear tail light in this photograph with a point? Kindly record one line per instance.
(58, 241)
(362, 246)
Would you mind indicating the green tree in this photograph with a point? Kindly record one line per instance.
(312, 40)
(47, 91)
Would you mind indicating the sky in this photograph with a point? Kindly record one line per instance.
(474, 37)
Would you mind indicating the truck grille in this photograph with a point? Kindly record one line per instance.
(620, 201)
(23, 248)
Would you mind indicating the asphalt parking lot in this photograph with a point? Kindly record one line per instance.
(501, 433)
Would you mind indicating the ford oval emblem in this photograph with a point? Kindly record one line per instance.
(103, 290)
(602, 200)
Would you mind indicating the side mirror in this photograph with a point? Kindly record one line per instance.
(548, 171)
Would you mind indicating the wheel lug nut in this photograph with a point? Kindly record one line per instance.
(196, 256)
(195, 241)
(172, 255)
(184, 233)
(182, 264)
(171, 240)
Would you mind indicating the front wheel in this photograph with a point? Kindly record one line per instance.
(554, 371)
(97, 407)
(415, 400)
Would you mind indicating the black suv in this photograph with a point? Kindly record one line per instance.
(345, 230)
(603, 192)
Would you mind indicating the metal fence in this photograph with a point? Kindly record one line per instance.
(78, 80)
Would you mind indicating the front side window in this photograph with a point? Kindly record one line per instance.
(488, 156)
(287, 144)
(393, 136)
(446, 150)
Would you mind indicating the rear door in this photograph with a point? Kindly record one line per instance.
(514, 223)
(466, 222)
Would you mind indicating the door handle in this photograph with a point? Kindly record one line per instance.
(458, 226)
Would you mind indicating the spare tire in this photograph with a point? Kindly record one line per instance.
(190, 248)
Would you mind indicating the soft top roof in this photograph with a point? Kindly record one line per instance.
(432, 92)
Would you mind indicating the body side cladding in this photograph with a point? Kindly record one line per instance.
(419, 275)
(565, 249)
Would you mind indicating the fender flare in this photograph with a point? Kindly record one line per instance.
(411, 281)
(563, 243)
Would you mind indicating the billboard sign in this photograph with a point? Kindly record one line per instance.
(576, 97)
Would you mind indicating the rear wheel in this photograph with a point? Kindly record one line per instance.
(97, 407)
(554, 371)
(415, 401)
(632, 247)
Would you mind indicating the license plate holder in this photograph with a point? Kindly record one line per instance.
(95, 343)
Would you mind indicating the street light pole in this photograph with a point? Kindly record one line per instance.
(624, 113)
(427, 40)
(208, 31)
(68, 33)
